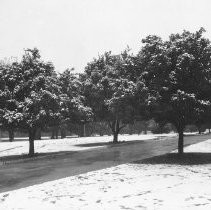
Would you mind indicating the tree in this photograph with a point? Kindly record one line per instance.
(177, 73)
(119, 105)
(207, 118)
(111, 91)
(73, 107)
(10, 114)
(37, 94)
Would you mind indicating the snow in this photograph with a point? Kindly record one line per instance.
(127, 186)
(68, 144)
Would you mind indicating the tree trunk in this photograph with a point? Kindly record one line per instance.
(115, 137)
(101, 133)
(38, 134)
(84, 129)
(130, 129)
(63, 133)
(145, 128)
(115, 131)
(55, 132)
(199, 129)
(115, 128)
(32, 133)
(180, 141)
(139, 130)
(11, 134)
(101, 129)
(81, 130)
(52, 134)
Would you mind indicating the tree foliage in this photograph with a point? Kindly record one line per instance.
(169, 81)
(177, 73)
(32, 96)
(111, 91)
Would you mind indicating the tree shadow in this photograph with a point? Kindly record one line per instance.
(110, 144)
(94, 144)
(25, 157)
(177, 159)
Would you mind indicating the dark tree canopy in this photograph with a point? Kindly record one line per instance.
(169, 81)
(112, 91)
(177, 73)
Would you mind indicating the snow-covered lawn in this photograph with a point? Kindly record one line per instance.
(69, 144)
(127, 186)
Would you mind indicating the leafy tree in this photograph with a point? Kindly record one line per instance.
(111, 92)
(10, 114)
(204, 121)
(73, 107)
(37, 94)
(177, 73)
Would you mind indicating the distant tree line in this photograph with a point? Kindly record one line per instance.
(167, 81)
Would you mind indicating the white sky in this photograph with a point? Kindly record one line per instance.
(71, 32)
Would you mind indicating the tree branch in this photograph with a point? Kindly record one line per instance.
(110, 125)
(123, 126)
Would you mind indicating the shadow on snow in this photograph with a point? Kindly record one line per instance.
(111, 144)
(191, 158)
(36, 156)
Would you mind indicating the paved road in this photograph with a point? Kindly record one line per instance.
(18, 175)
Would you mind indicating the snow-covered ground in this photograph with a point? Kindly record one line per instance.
(69, 144)
(127, 186)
